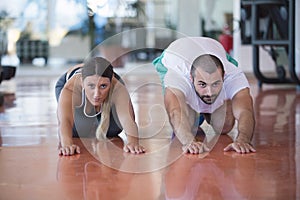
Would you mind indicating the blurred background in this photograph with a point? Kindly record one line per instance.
(66, 30)
(55, 33)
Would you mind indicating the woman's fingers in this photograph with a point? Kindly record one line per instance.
(69, 150)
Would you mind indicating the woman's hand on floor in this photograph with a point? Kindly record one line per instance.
(68, 150)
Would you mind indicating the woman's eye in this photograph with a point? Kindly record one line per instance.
(103, 86)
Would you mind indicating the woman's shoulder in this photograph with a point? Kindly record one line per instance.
(74, 70)
(116, 83)
(74, 84)
(119, 87)
(73, 89)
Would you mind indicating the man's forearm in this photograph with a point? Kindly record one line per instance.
(179, 114)
(181, 127)
(246, 125)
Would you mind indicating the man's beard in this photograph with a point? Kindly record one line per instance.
(207, 99)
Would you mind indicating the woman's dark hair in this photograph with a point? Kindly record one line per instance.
(99, 66)
(208, 63)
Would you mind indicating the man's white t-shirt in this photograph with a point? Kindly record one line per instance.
(178, 58)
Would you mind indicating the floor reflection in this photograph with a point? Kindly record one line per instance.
(100, 181)
(277, 137)
(31, 169)
(276, 114)
(204, 179)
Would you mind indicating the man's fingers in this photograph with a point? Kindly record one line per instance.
(137, 149)
(240, 147)
(71, 150)
(195, 148)
(130, 149)
(250, 148)
(66, 151)
(74, 149)
(205, 148)
(134, 149)
(228, 147)
(77, 149)
(140, 149)
(126, 149)
(185, 149)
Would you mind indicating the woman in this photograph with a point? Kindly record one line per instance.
(93, 101)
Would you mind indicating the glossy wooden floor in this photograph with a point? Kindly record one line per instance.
(31, 169)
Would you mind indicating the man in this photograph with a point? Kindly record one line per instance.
(197, 77)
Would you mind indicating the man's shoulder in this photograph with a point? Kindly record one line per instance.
(189, 40)
(185, 49)
(192, 47)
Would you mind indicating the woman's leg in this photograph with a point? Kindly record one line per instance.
(59, 85)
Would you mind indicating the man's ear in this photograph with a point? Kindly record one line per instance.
(222, 72)
(191, 78)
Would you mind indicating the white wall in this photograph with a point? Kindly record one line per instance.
(243, 53)
(214, 10)
(189, 17)
(297, 38)
(72, 47)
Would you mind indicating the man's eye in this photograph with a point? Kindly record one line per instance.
(202, 85)
(216, 84)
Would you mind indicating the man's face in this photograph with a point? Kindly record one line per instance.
(208, 86)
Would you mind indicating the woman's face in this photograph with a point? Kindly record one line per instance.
(96, 89)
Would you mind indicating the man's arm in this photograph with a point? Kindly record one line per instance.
(242, 107)
(182, 120)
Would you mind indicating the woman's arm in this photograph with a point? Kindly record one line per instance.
(126, 116)
(65, 123)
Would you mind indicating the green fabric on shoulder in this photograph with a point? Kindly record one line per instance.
(232, 60)
(161, 69)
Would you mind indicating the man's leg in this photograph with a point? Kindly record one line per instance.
(222, 120)
(229, 119)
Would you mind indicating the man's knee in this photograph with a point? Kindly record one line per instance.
(217, 123)
(228, 126)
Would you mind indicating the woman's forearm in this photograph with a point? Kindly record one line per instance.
(65, 134)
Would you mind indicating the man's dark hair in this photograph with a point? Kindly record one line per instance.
(207, 62)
